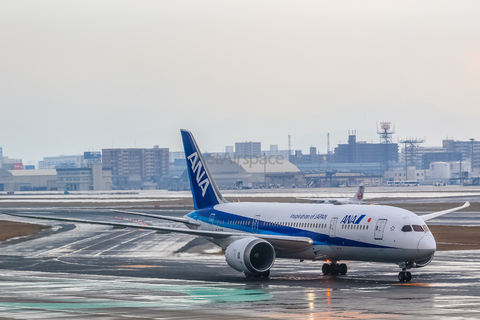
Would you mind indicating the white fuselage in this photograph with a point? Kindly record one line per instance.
(339, 232)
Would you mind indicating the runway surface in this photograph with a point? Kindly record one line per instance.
(78, 271)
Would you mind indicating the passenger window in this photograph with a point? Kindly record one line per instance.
(417, 228)
(407, 228)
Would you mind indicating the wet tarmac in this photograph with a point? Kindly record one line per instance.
(96, 272)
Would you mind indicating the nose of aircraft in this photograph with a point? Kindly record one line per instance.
(427, 246)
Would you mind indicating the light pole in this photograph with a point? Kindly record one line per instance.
(471, 158)
(265, 170)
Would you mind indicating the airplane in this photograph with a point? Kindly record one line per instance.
(253, 235)
(356, 199)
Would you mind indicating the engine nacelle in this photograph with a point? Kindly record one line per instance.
(250, 255)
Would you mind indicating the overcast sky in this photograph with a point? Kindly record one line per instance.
(86, 75)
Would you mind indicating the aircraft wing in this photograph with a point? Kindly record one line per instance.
(433, 215)
(175, 219)
(279, 242)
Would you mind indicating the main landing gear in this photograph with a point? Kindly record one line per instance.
(334, 268)
(404, 275)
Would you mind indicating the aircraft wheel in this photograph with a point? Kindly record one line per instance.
(342, 269)
(333, 269)
(402, 276)
(408, 276)
(326, 269)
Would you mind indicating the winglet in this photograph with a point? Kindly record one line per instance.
(204, 189)
(433, 215)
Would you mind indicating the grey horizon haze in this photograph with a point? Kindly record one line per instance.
(85, 75)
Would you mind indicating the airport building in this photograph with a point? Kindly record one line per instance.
(337, 179)
(27, 180)
(93, 177)
(410, 174)
(133, 167)
(254, 172)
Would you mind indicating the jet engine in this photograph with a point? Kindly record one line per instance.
(251, 255)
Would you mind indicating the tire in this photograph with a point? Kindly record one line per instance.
(342, 269)
(401, 276)
(408, 276)
(333, 269)
(326, 269)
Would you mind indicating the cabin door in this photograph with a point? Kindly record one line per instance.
(379, 229)
(333, 226)
(255, 224)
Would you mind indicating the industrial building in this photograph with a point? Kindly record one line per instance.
(430, 157)
(133, 167)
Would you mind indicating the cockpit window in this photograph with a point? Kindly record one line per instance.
(417, 228)
(407, 228)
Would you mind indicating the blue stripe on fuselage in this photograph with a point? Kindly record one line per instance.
(222, 220)
(360, 219)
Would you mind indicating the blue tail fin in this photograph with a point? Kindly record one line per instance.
(204, 189)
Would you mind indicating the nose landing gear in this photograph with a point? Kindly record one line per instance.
(404, 275)
(334, 268)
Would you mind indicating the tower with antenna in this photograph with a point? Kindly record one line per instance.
(385, 133)
(413, 158)
(328, 145)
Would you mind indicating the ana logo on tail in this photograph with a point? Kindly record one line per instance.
(197, 168)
